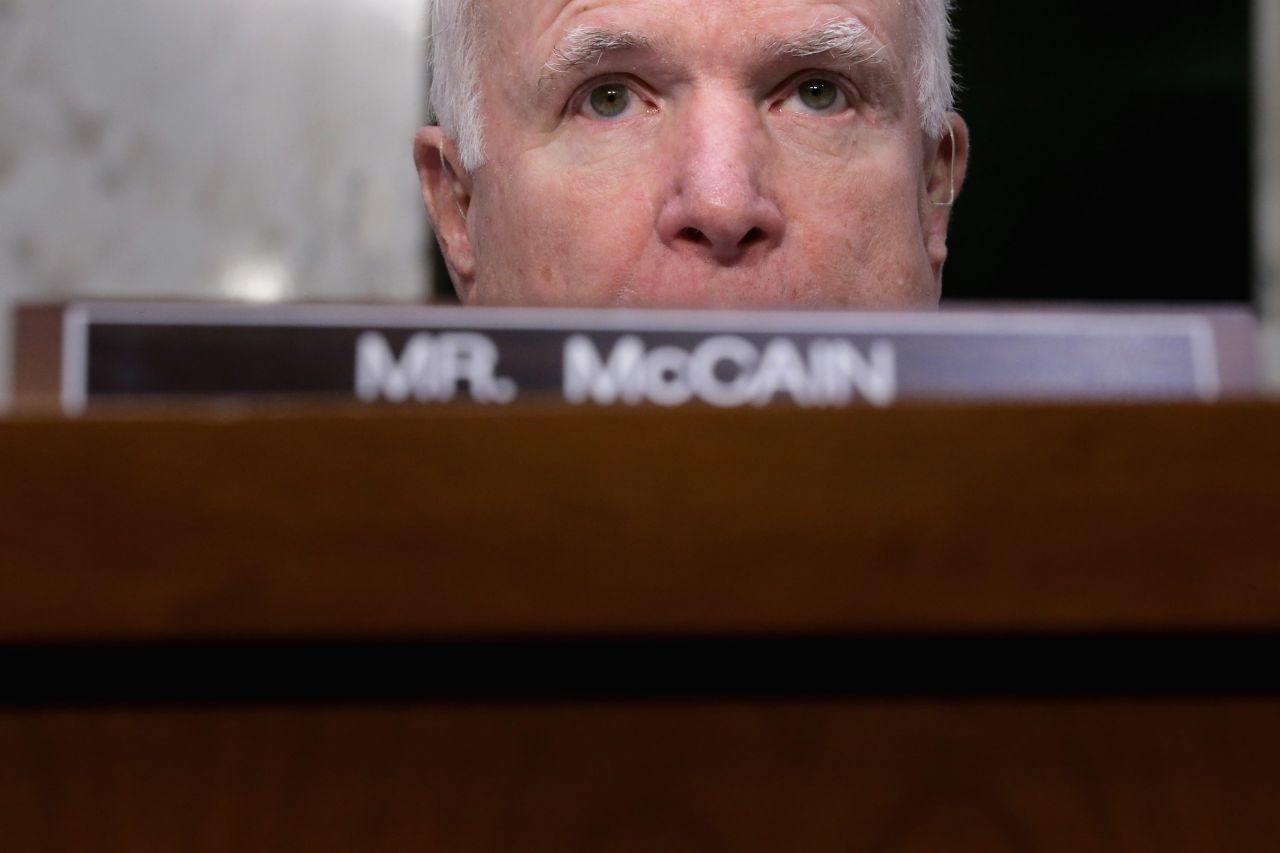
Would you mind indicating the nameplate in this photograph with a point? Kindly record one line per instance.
(91, 354)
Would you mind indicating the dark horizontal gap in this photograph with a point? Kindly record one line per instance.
(1033, 666)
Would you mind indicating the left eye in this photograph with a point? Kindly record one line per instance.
(817, 96)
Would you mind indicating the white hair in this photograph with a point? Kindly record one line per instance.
(453, 93)
(453, 64)
(935, 78)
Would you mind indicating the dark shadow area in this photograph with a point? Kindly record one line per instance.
(1111, 152)
(1060, 666)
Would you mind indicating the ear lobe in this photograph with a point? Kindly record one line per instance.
(446, 191)
(946, 164)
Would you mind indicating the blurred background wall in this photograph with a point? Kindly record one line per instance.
(254, 149)
(1267, 33)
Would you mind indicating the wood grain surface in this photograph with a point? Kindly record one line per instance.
(222, 604)
(886, 778)
(469, 522)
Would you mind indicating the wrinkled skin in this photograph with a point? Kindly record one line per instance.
(718, 185)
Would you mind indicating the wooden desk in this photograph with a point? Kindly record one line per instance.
(922, 629)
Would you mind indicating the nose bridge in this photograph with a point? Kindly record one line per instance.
(722, 157)
(718, 199)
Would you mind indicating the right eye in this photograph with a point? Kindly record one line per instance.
(610, 102)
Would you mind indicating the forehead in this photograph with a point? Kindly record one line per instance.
(530, 29)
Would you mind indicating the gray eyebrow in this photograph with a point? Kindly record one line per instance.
(848, 39)
(583, 46)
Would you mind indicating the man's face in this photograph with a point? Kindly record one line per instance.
(696, 153)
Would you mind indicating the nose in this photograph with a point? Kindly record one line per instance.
(717, 205)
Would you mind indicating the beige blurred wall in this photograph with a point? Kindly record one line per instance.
(1267, 32)
(208, 148)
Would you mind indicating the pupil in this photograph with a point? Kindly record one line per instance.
(818, 94)
(610, 101)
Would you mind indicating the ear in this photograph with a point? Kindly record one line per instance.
(946, 164)
(446, 190)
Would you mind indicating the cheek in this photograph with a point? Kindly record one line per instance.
(554, 231)
(858, 228)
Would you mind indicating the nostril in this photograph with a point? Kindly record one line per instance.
(693, 235)
(755, 235)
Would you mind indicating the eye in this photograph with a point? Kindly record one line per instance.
(816, 96)
(610, 101)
